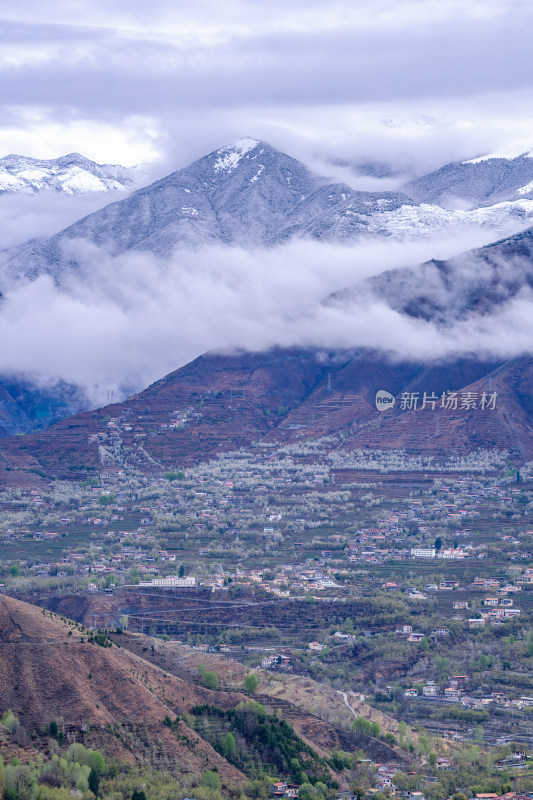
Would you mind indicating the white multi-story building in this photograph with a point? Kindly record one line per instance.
(423, 552)
(179, 583)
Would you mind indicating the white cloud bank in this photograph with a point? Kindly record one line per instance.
(124, 322)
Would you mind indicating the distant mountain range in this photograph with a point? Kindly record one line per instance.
(478, 183)
(71, 174)
(251, 195)
(26, 406)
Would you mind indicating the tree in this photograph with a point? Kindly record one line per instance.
(438, 543)
(54, 729)
(181, 572)
(441, 662)
(175, 476)
(306, 792)
(250, 683)
(95, 760)
(10, 721)
(362, 725)
(432, 760)
(210, 680)
(211, 779)
(138, 794)
(94, 782)
(228, 744)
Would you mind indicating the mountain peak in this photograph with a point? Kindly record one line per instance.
(229, 156)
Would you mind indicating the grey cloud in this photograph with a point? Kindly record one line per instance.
(331, 67)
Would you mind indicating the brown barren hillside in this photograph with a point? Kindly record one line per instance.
(322, 716)
(117, 697)
(47, 674)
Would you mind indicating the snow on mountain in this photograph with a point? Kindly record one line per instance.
(71, 174)
(251, 195)
(425, 220)
(246, 194)
(230, 156)
(480, 182)
(527, 189)
(505, 153)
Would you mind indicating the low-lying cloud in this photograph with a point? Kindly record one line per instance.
(45, 213)
(121, 323)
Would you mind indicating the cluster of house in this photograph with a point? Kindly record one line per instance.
(277, 660)
(385, 783)
(414, 636)
(455, 691)
(177, 419)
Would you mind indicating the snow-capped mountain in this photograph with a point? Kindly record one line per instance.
(251, 195)
(480, 182)
(71, 174)
(247, 194)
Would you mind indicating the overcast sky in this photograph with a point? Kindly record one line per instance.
(417, 81)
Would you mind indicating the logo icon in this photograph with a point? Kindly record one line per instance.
(384, 400)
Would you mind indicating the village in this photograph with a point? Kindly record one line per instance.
(435, 561)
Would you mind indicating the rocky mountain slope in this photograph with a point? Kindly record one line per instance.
(49, 670)
(70, 174)
(474, 284)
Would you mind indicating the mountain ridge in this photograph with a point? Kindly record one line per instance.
(480, 182)
(257, 197)
(70, 174)
(236, 184)
(218, 404)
